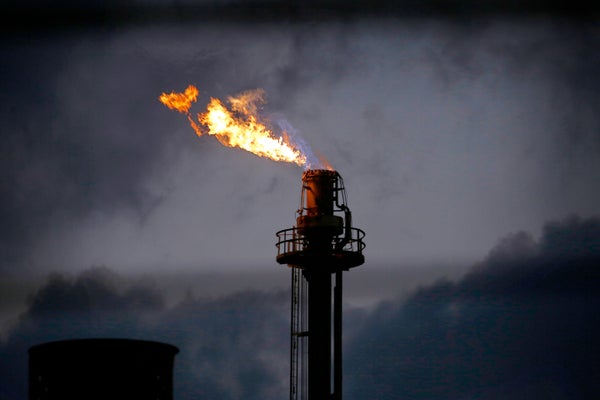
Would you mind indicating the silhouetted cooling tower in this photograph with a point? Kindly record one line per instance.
(104, 369)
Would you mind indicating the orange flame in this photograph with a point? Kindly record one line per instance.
(239, 126)
(180, 101)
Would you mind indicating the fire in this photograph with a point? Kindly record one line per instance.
(239, 125)
(180, 101)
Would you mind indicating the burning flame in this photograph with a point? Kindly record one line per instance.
(180, 101)
(240, 126)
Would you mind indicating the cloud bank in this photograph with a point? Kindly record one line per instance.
(523, 323)
(230, 347)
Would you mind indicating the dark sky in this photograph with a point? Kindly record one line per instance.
(458, 128)
(449, 133)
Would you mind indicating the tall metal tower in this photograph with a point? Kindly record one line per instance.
(322, 243)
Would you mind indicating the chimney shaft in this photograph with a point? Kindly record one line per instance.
(323, 242)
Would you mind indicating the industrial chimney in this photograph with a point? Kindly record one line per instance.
(322, 243)
(100, 369)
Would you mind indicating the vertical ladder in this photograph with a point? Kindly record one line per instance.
(299, 336)
(295, 330)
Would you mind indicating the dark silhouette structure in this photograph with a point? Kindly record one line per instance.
(115, 369)
(322, 243)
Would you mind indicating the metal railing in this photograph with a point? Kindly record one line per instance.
(291, 241)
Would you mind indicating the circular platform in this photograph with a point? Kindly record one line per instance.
(332, 261)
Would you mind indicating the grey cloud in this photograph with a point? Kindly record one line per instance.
(74, 137)
(320, 54)
(558, 55)
(83, 130)
(523, 323)
(575, 237)
(231, 346)
(414, 111)
(567, 59)
(93, 292)
(238, 349)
